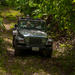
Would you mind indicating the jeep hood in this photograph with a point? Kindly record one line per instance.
(32, 33)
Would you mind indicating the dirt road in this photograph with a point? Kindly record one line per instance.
(29, 64)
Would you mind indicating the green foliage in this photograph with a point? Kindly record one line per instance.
(62, 10)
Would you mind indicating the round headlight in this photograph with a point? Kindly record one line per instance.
(49, 42)
(20, 40)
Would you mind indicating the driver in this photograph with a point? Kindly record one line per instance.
(28, 24)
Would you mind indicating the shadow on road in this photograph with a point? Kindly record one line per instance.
(29, 63)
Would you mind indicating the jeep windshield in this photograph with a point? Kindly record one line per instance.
(34, 24)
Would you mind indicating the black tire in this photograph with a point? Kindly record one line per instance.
(47, 52)
(17, 51)
(13, 41)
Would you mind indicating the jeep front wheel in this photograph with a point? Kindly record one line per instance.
(47, 52)
(17, 51)
(13, 41)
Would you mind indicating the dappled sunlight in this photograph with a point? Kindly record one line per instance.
(37, 65)
(9, 17)
(7, 26)
(9, 12)
(60, 27)
(32, 64)
(8, 45)
(8, 40)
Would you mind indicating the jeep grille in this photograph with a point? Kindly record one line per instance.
(35, 41)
